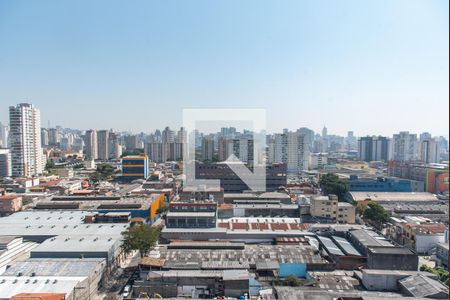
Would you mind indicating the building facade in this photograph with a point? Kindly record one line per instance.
(25, 140)
(404, 146)
(91, 145)
(135, 167)
(5, 163)
(103, 144)
(373, 148)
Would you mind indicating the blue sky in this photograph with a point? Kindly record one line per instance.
(375, 67)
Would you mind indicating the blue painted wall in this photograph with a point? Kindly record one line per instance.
(293, 269)
(379, 185)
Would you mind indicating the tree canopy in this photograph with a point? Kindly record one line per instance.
(49, 165)
(441, 272)
(375, 213)
(141, 237)
(331, 184)
(103, 172)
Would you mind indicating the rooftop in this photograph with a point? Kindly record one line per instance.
(390, 250)
(331, 247)
(238, 258)
(422, 286)
(12, 285)
(54, 267)
(393, 196)
(370, 238)
(346, 246)
(9, 197)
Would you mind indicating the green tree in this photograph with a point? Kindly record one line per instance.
(49, 166)
(331, 184)
(375, 213)
(292, 280)
(141, 237)
(441, 272)
(103, 172)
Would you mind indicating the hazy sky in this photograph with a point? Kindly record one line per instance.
(375, 67)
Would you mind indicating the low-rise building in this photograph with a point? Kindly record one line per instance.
(194, 284)
(391, 258)
(266, 210)
(199, 193)
(63, 172)
(423, 237)
(387, 280)
(329, 207)
(9, 204)
(192, 214)
(442, 254)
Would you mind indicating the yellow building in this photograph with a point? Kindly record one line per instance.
(330, 207)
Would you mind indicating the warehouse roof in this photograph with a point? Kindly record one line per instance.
(390, 250)
(12, 285)
(370, 238)
(393, 196)
(284, 292)
(54, 267)
(423, 286)
(330, 246)
(56, 229)
(346, 246)
(80, 243)
(31, 217)
(251, 254)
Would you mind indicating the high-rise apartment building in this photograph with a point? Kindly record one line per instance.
(53, 136)
(404, 146)
(374, 148)
(114, 147)
(44, 137)
(131, 142)
(3, 136)
(309, 134)
(225, 147)
(154, 151)
(90, 145)
(103, 144)
(292, 149)
(207, 148)
(5, 163)
(428, 149)
(25, 140)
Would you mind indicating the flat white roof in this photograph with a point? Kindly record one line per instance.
(78, 243)
(12, 285)
(393, 196)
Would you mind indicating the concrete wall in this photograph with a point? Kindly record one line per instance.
(392, 261)
(424, 243)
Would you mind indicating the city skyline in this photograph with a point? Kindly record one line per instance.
(348, 67)
(217, 129)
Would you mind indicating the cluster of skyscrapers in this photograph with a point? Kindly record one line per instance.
(22, 143)
(404, 146)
